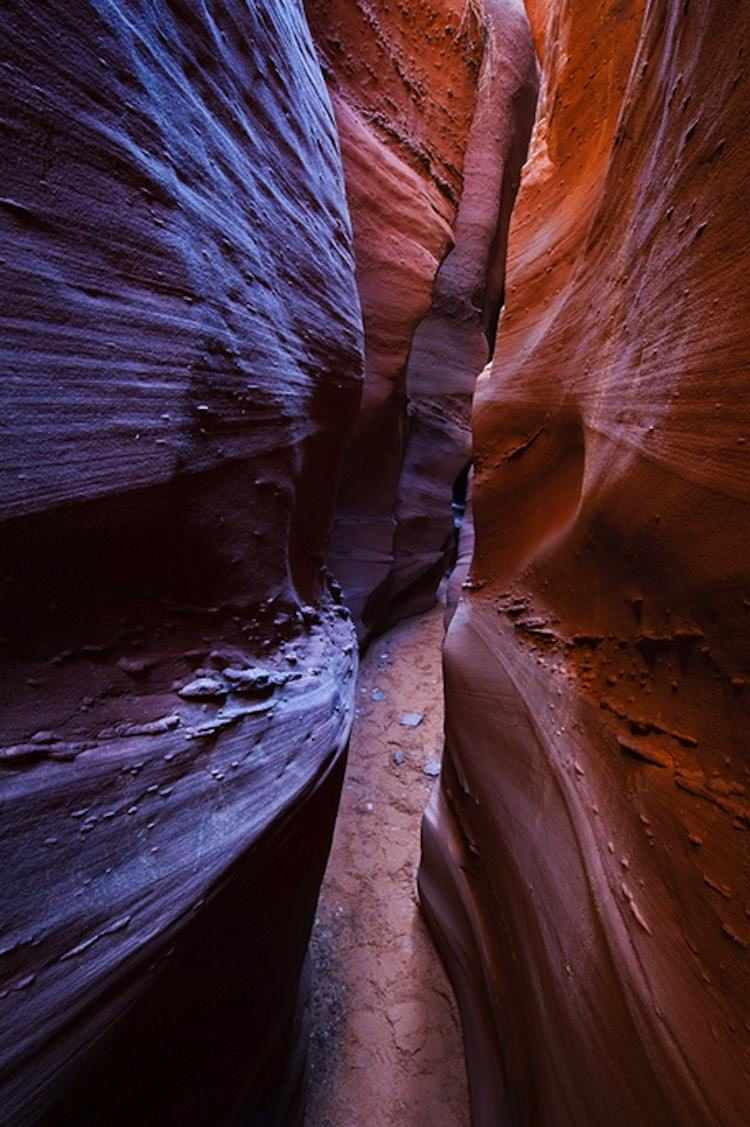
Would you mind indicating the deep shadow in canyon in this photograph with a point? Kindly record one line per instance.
(274, 275)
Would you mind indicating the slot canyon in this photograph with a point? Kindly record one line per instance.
(374, 563)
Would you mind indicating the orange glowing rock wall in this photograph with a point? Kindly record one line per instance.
(586, 861)
(434, 103)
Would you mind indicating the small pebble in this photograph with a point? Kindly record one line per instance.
(411, 719)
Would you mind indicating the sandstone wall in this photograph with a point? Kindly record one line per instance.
(585, 863)
(182, 354)
(434, 103)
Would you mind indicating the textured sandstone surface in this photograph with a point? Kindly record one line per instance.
(386, 1046)
(434, 103)
(181, 348)
(185, 308)
(585, 861)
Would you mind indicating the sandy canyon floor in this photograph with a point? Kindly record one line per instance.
(386, 1047)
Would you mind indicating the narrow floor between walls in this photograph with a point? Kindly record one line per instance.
(386, 1047)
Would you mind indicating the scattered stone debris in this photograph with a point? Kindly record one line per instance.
(155, 727)
(207, 686)
(411, 719)
(203, 688)
(251, 681)
(370, 945)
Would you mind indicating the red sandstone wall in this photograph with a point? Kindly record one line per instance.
(585, 863)
(434, 102)
(181, 355)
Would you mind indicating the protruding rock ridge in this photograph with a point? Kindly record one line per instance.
(182, 355)
(585, 864)
(432, 101)
(453, 343)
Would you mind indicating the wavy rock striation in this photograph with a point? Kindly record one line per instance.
(434, 104)
(182, 358)
(585, 863)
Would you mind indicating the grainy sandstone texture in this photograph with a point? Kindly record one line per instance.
(187, 316)
(386, 1046)
(434, 103)
(585, 862)
(181, 355)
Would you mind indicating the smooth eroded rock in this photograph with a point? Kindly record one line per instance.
(182, 357)
(585, 860)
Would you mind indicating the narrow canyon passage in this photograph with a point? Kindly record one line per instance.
(275, 272)
(386, 1044)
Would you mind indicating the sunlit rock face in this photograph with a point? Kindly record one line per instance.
(181, 351)
(585, 863)
(434, 103)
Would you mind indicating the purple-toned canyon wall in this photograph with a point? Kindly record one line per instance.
(181, 356)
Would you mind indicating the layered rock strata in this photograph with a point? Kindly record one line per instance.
(585, 863)
(182, 358)
(434, 104)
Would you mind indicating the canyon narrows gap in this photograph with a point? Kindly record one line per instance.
(264, 302)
